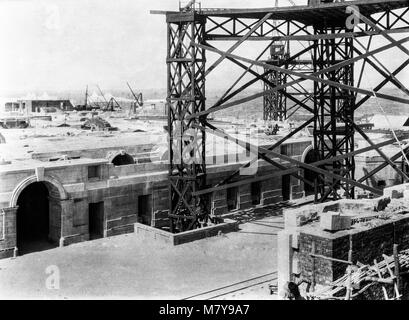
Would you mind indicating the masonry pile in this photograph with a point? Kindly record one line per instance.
(358, 231)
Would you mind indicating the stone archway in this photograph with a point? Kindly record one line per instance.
(39, 213)
(305, 152)
(123, 160)
(55, 188)
(120, 158)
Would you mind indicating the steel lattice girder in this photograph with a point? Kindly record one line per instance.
(185, 96)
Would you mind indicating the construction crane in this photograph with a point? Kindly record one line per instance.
(138, 103)
(84, 106)
(111, 105)
(86, 98)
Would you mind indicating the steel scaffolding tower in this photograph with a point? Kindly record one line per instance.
(334, 112)
(337, 52)
(186, 96)
(274, 103)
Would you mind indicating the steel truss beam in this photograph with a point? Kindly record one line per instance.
(235, 28)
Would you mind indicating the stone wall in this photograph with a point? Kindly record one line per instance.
(387, 175)
(378, 224)
(118, 188)
(8, 241)
(367, 245)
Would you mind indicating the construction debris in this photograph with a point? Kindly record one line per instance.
(360, 278)
(97, 124)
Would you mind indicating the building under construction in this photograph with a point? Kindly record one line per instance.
(186, 179)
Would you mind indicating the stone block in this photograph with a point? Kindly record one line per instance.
(120, 230)
(245, 198)
(272, 200)
(122, 221)
(270, 193)
(219, 203)
(333, 206)
(297, 195)
(7, 253)
(245, 205)
(160, 223)
(298, 217)
(396, 192)
(160, 214)
(296, 239)
(334, 221)
(217, 211)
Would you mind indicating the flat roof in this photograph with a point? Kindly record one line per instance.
(331, 13)
(59, 144)
(31, 164)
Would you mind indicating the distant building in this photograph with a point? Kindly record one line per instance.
(28, 107)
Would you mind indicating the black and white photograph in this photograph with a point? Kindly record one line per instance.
(225, 152)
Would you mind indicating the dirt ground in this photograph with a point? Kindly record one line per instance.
(128, 267)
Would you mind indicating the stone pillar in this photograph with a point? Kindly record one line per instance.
(66, 219)
(105, 171)
(108, 215)
(219, 204)
(271, 191)
(297, 187)
(8, 240)
(245, 200)
(284, 260)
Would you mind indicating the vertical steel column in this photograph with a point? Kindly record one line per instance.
(274, 103)
(334, 112)
(186, 96)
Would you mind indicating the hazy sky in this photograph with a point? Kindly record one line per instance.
(67, 44)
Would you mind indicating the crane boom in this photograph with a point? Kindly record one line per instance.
(138, 98)
(102, 94)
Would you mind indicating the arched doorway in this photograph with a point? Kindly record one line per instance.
(33, 218)
(123, 160)
(310, 157)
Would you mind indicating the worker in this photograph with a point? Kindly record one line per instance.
(291, 292)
